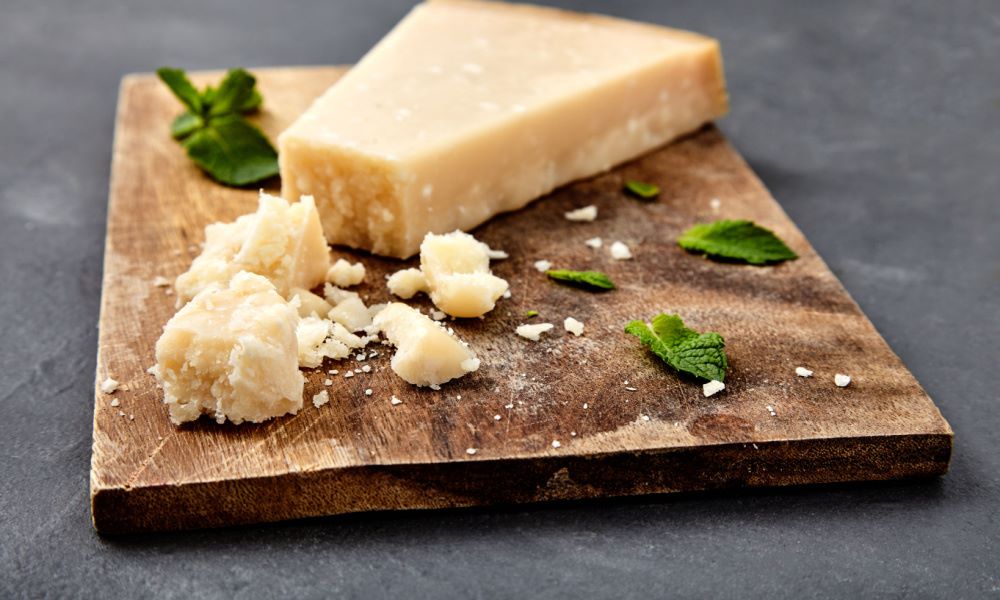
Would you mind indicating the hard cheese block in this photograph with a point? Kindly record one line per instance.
(468, 109)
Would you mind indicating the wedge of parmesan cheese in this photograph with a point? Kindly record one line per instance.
(468, 109)
(231, 353)
(282, 242)
(425, 352)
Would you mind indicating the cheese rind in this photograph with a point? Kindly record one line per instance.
(425, 353)
(282, 242)
(231, 353)
(468, 109)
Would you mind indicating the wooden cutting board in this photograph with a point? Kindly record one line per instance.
(625, 423)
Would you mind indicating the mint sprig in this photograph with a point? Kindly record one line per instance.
(594, 281)
(639, 189)
(700, 354)
(738, 240)
(213, 131)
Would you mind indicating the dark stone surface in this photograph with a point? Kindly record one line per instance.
(876, 127)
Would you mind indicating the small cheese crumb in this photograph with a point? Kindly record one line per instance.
(543, 265)
(366, 369)
(631, 389)
(438, 315)
(471, 451)
(572, 434)
(509, 406)
(645, 417)
(506, 295)
(407, 283)
(712, 387)
(344, 274)
(161, 281)
(573, 326)
(348, 374)
(327, 382)
(803, 372)
(556, 443)
(497, 417)
(334, 372)
(594, 243)
(619, 251)
(497, 254)
(715, 204)
(587, 213)
(395, 401)
(842, 380)
(369, 392)
(771, 410)
(533, 332)
(109, 385)
(116, 402)
(435, 387)
(321, 398)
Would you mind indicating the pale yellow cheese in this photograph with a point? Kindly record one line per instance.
(468, 109)
(407, 283)
(426, 354)
(345, 274)
(282, 242)
(231, 353)
(308, 303)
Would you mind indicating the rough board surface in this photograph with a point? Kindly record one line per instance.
(360, 453)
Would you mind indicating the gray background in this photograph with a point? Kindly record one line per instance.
(875, 125)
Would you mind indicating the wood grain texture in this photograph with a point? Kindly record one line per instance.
(361, 453)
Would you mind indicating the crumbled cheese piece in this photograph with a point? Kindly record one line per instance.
(161, 281)
(533, 332)
(109, 386)
(308, 304)
(556, 443)
(438, 315)
(842, 380)
(425, 353)
(543, 265)
(508, 406)
(359, 357)
(395, 401)
(594, 243)
(348, 374)
(231, 352)
(497, 417)
(344, 274)
(631, 389)
(770, 409)
(116, 402)
(619, 251)
(645, 417)
(456, 267)
(366, 369)
(282, 242)
(506, 295)
(351, 312)
(328, 381)
(334, 371)
(803, 372)
(497, 254)
(369, 392)
(321, 338)
(586, 406)
(407, 283)
(471, 451)
(587, 213)
(712, 387)
(321, 398)
(715, 204)
(435, 387)
(573, 326)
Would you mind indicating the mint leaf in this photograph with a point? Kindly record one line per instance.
(182, 87)
(235, 91)
(592, 280)
(646, 191)
(232, 151)
(215, 135)
(737, 240)
(702, 355)
(185, 124)
(531, 313)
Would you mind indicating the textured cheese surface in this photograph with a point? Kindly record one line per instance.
(231, 353)
(425, 352)
(467, 109)
(282, 242)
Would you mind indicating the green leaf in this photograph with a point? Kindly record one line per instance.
(182, 87)
(702, 355)
(646, 191)
(185, 124)
(253, 102)
(235, 91)
(594, 281)
(232, 151)
(737, 240)
(531, 313)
